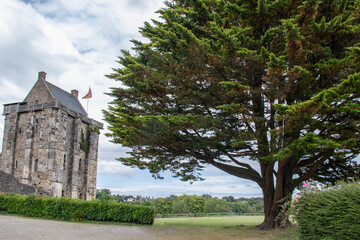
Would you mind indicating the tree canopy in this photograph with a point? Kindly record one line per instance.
(188, 204)
(219, 82)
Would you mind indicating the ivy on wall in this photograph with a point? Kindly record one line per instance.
(83, 143)
(95, 129)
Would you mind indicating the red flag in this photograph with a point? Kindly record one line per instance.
(88, 95)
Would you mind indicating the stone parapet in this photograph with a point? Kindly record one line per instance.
(21, 107)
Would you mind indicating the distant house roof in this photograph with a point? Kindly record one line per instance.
(66, 98)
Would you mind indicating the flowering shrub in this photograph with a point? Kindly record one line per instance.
(329, 213)
(290, 206)
(309, 187)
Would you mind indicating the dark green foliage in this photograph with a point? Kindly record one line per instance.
(229, 198)
(163, 206)
(95, 129)
(12, 203)
(188, 203)
(333, 213)
(103, 194)
(217, 82)
(75, 209)
(242, 207)
(84, 146)
(215, 205)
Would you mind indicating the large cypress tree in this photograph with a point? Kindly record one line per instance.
(220, 81)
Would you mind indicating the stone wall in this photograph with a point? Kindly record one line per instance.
(9, 184)
(42, 148)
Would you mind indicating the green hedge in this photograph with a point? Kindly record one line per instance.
(333, 213)
(74, 209)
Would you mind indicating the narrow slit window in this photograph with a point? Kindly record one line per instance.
(64, 161)
(79, 164)
(36, 165)
(36, 125)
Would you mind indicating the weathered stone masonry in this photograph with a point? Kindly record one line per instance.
(50, 143)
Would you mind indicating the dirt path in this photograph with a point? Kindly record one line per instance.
(18, 228)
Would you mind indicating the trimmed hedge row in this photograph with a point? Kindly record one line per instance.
(74, 209)
(330, 214)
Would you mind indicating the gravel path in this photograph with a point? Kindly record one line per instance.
(19, 228)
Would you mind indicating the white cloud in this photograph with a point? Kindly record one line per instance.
(176, 187)
(116, 168)
(12, 90)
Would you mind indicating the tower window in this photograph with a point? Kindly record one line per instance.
(79, 164)
(36, 125)
(36, 163)
(64, 161)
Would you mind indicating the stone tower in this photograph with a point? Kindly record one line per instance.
(50, 142)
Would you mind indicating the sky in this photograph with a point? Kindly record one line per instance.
(77, 42)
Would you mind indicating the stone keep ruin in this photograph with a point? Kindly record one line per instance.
(51, 143)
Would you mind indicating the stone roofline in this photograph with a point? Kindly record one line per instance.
(20, 107)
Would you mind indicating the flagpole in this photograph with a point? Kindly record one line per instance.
(88, 96)
(88, 102)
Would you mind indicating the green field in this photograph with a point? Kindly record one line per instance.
(224, 227)
(220, 221)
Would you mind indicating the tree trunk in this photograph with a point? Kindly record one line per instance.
(275, 196)
(274, 216)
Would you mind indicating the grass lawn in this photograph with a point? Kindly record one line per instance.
(222, 227)
(219, 221)
(203, 228)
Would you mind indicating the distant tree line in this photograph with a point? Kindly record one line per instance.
(188, 203)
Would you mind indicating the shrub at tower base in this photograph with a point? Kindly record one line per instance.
(330, 214)
(74, 209)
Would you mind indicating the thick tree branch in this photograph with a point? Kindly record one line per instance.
(312, 170)
(240, 163)
(310, 161)
(239, 172)
(250, 129)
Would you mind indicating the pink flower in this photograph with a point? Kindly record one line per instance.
(297, 200)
